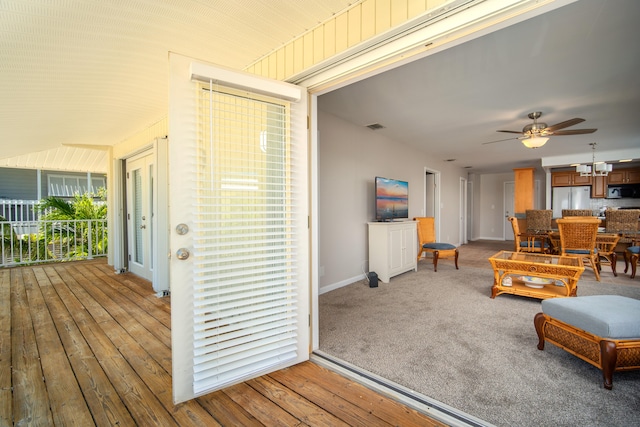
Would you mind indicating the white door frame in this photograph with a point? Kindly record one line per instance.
(139, 214)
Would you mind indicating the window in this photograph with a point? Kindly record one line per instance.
(69, 185)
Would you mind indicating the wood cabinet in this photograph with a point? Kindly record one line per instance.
(523, 189)
(569, 179)
(624, 176)
(599, 187)
(393, 248)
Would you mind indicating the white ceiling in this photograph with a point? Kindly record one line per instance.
(93, 72)
(96, 72)
(580, 60)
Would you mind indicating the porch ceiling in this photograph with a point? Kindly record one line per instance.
(75, 159)
(95, 72)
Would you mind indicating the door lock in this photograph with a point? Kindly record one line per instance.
(182, 254)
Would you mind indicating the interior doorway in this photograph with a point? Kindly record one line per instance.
(139, 216)
(509, 209)
(432, 197)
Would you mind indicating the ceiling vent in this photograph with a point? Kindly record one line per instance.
(375, 126)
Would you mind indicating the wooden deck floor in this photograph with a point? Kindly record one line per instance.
(82, 346)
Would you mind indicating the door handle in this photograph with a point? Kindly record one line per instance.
(143, 226)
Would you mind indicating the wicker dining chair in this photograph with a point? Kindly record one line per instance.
(576, 212)
(538, 220)
(606, 246)
(578, 238)
(623, 222)
(528, 242)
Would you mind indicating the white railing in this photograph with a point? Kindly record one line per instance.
(19, 210)
(51, 241)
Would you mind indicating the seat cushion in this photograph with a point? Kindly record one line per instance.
(536, 244)
(634, 249)
(607, 316)
(438, 246)
(581, 251)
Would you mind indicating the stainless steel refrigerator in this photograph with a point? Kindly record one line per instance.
(570, 198)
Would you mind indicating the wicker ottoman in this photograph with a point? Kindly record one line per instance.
(603, 330)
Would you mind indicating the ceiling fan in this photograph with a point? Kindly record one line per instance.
(536, 134)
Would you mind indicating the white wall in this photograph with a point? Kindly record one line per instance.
(350, 157)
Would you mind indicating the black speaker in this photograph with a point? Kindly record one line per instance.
(373, 279)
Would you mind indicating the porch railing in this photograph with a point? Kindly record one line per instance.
(30, 242)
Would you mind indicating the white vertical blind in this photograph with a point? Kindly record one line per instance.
(245, 237)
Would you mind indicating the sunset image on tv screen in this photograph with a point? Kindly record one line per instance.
(392, 199)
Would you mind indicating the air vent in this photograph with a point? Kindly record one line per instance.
(375, 126)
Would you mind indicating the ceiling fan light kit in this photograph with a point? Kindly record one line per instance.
(536, 134)
(535, 142)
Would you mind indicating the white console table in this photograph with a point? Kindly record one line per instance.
(393, 248)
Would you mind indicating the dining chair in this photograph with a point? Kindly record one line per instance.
(538, 220)
(528, 242)
(428, 245)
(623, 222)
(578, 238)
(606, 246)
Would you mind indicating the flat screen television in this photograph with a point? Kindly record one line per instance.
(392, 199)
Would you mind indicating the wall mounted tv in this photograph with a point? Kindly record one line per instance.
(392, 199)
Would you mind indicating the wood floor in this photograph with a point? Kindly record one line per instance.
(82, 346)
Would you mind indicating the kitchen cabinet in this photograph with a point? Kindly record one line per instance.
(599, 187)
(569, 179)
(393, 248)
(523, 189)
(624, 176)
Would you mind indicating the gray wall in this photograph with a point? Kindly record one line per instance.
(18, 184)
(350, 157)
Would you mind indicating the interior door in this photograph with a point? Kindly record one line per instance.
(140, 215)
(238, 226)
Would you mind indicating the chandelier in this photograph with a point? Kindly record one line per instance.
(594, 169)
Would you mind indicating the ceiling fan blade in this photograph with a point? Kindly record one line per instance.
(509, 131)
(574, 132)
(564, 124)
(500, 140)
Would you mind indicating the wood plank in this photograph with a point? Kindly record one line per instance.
(106, 406)
(384, 408)
(30, 398)
(68, 407)
(260, 407)
(6, 414)
(227, 412)
(141, 402)
(293, 403)
(319, 392)
(124, 332)
(124, 297)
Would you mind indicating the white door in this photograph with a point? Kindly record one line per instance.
(238, 229)
(509, 209)
(140, 215)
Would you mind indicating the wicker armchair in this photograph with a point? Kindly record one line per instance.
(539, 220)
(576, 212)
(526, 242)
(623, 222)
(578, 238)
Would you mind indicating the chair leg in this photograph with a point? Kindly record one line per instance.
(435, 260)
(614, 261)
(456, 258)
(595, 264)
(634, 263)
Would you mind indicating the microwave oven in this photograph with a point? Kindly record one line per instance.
(623, 191)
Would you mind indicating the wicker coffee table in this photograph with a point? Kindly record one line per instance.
(535, 275)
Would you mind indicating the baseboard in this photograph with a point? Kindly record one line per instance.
(340, 284)
(500, 239)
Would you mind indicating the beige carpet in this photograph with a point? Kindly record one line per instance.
(441, 335)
